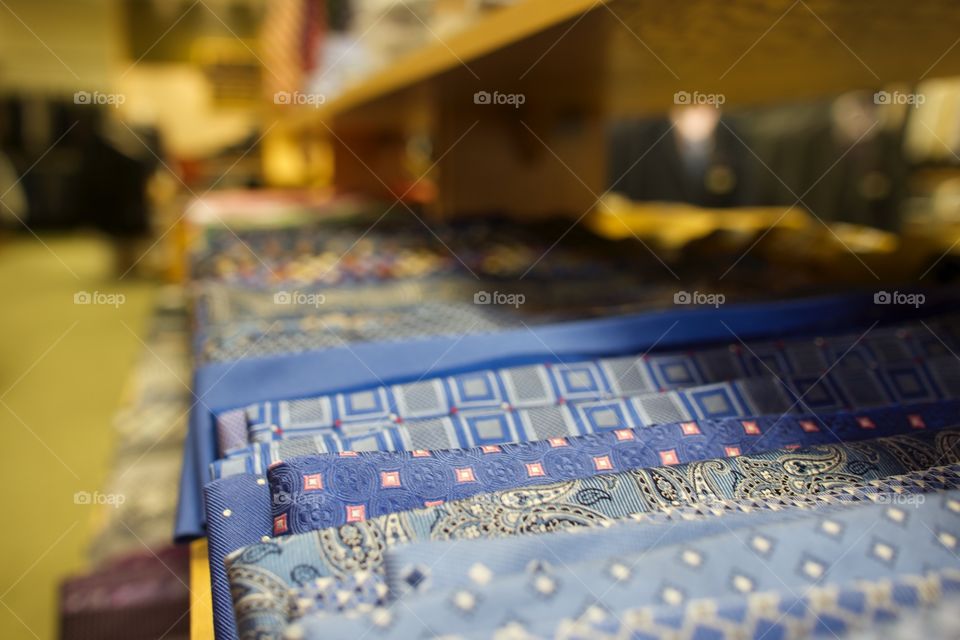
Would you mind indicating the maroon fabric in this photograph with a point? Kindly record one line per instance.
(143, 595)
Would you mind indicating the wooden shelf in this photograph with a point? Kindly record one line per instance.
(491, 33)
(581, 63)
(201, 600)
(781, 49)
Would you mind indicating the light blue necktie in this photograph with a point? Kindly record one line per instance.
(840, 389)
(428, 567)
(239, 507)
(231, 385)
(264, 572)
(862, 610)
(870, 542)
(549, 385)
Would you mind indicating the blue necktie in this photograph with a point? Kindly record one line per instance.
(232, 432)
(593, 501)
(330, 490)
(831, 611)
(546, 385)
(437, 566)
(904, 607)
(231, 385)
(239, 511)
(261, 338)
(838, 390)
(869, 542)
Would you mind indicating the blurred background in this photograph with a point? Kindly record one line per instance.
(808, 153)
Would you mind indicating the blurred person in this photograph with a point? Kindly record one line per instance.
(692, 156)
(13, 201)
(13, 196)
(847, 164)
(111, 185)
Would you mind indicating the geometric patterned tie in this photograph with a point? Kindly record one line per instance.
(870, 542)
(316, 492)
(263, 570)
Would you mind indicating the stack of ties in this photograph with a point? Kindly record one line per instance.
(778, 469)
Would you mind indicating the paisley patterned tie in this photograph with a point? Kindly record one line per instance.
(863, 543)
(265, 570)
(316, 492)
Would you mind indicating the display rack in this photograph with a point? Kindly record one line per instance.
(580, 64)
(201, 600)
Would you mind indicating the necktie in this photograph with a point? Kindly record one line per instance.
(593, 501)
(831, 611)
(257, 258)
(869, 542)
(232, 435)
(545, 386)
(217, 306)
(365, 365)
(438, 566)
(837, 390)
(239, 509)
(331, 255)
(904, 607)
(236, 324)
(450, 567)
(920, 615)
(330, 490)
(238, 514)
(334, 329)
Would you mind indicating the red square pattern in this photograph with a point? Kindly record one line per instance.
(669, 457)
(313, 482)
(690, 428)
(465, 475)
(389, 479)
(750, 427)
(356, 513)
(602, 463)
(809, 426)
